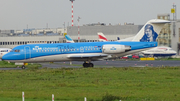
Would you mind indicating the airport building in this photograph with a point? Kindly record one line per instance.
(12, 38)
(176, 37)
(164, 38)
(170, 34)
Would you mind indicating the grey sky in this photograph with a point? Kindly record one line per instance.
(17, 14)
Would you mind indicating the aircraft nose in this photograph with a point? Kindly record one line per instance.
(175, 52)
(6, 57)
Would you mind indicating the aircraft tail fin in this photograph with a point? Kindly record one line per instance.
(150, 31)
(68, 39)
(102, 37)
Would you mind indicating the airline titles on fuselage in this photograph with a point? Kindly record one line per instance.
(65, 48)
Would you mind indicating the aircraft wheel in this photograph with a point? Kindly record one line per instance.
(85, 65)
(91, 65)
(23, 67)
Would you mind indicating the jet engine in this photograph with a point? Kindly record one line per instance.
(113, 48)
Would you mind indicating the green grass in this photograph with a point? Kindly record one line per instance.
(97, 84)
(5, 64)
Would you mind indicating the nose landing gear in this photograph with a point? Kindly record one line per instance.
(23, 67)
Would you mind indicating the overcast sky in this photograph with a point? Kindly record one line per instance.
(17, 14)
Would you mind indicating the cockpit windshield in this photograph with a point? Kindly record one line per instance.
(17, 50)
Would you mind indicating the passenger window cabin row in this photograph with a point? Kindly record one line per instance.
(67, 50)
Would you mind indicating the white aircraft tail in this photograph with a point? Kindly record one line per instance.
(150, 31)
(102, 37)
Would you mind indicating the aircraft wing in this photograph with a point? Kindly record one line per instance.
(87, 56)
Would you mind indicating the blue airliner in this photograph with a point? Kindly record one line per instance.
(85, 51)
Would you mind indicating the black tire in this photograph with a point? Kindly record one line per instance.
(85, 65)
(91, 65)
(23, 67)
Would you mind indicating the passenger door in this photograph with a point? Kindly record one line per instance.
(27, 52)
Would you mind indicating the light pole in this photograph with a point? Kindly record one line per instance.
(72, 10)
(173, 10)
(64, 27)
(78, 29)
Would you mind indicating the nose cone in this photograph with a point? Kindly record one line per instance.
(174, 52)
(6, 57)
(2, 54)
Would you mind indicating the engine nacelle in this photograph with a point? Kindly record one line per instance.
(113, 48)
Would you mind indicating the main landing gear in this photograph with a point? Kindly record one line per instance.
(86, 65)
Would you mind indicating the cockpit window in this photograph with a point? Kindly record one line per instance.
(17, 50)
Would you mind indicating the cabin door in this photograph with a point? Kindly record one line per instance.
(27, 52)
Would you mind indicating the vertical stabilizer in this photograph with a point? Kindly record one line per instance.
(150, 31)
(102, 37)
(68, 39)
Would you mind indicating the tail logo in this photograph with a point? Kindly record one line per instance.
(149, 34)
(102, 38)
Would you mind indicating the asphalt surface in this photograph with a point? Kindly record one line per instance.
(10, 68)
(110, 63)
(125, 63)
